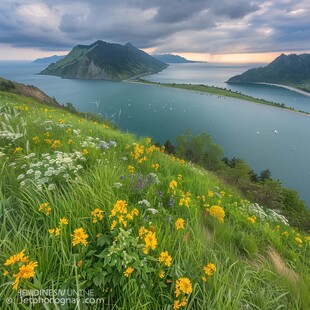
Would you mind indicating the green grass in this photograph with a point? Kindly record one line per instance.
(245, 276)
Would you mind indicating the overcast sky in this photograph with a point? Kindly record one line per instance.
(198, 29)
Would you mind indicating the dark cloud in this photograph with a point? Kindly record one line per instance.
(202, 26)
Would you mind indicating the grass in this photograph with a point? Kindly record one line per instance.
(88, 169)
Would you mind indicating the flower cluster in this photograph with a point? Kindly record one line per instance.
(79, 236)
(209, 270)
(97, 215)
(217, 212)
(165, 258)
(21, 263)
(121, 215)
(183, 287)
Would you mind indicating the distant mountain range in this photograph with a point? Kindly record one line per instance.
(292, 70)
(170, 58)
(105, 61)
(48, 60)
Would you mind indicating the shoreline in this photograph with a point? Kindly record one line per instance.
(302, 92)
(245, 98)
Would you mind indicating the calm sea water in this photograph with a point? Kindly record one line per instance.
(164, 113)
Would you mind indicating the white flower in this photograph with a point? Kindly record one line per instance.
(153, 211)
(51, 187)
(21, 176)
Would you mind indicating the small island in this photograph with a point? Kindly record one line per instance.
(105, 61)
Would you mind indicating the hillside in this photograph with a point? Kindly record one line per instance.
(170, 58)
(91, 214)
(29, 91)
(292, 70)
(105, 61)
(48, 60)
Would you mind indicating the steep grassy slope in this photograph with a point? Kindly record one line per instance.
(103, 215)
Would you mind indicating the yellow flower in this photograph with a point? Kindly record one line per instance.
(142, 231)
(43, 206)
(20, 257)
(218, 213)
(5, 272)
(173, 184)
(209, 269)
(285, 233)
(161, 274)
(84, 152)
(165, 258)
(61, 121)
(150, 241)
(204, 279)
(179, 224)
(183, 285)
(298, 240)
(63, 221)
(119, 207)
(148, 140)
(36, 140)
(55, 144)
(97, 215)
(55, 231)
(155, 166)
(307, 238)
(128, 271)
(25, 272)
(70, 141)
(68, 130)
(79, 263)
(18, 149)
(210, 194)
(252, 219)
(114, 223)
(79, 236)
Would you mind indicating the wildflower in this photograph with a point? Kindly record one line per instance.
(299, 241)
(119, 207)
(173, 184)
(61, 121)
(70, 141)
(148, 140)
(218, 213)
(222, 193)
(210, 194)
(56, 144)
(84, 152)
(131, 169)
(36, 140)
(155, 166)
(63, 221)
(307, 238)
(165, 258)
(55, 231)
(20, 257)
(79, 236)
(161, 274)
(142, 231)
(209, 269)
(97, 215)
(204, 279)
(252, 219)
(150, 241)
(68, 130)
(25, 272)
(18, 149)
(114, 223)
(128, 271)
(79, 263)
(5, 272)
(183, 285)
(179, 224)
(285, 233)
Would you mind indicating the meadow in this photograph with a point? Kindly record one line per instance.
(85, 207)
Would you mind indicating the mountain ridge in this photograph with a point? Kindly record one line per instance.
(105, 61)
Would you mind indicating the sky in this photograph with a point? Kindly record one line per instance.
(235, 31)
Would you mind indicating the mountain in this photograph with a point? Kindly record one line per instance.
(170, 58)
(286, 69)
(105, 61)
(29, 91)
(47, 60)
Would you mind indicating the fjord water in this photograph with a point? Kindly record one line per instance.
(164, 113)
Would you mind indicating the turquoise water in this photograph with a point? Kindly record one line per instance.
(216, 75)
(164, 113)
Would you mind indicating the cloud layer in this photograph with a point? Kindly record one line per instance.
(202, 26)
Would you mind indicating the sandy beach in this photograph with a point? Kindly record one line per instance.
(287, 87)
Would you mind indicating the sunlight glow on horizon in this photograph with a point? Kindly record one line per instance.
(8, 52)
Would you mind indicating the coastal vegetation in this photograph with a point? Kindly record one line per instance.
(105, 61)
(85, 207)
(291, 70)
